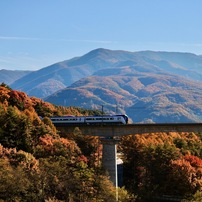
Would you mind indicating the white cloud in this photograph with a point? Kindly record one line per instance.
(17, 38)
(48, 39)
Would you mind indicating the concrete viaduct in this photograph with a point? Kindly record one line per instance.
(110, 134)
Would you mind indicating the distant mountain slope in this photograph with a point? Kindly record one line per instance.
(9, 76)
(65, 73)
(144, 96)
(184, 64)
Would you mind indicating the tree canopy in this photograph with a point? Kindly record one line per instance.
(38, 163)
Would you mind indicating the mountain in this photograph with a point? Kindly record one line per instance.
(48, 80)
(9, 76)
(149, 86)
(64, 73)
(143, 96)
(183, 64)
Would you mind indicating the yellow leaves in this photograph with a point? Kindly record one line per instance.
(1, 150)
(4, 94)
(30, 112)
(159, 138)
(18, 158)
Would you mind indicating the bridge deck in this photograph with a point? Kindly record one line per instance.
(130, 129)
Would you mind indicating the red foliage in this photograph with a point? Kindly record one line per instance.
(21, 97)
(194, 161)
(82, 158)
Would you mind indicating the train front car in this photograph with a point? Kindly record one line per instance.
(123, 118)
(100, 120)
(126, 118)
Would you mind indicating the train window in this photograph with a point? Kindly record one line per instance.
(89, 119)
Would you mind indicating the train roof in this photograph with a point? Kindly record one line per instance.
(89, 116)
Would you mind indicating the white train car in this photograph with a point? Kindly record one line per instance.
(68, 119)
(90, 120)
(108, 119)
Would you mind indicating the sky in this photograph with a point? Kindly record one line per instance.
(37, 33)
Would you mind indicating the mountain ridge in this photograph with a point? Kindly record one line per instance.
(128, 79)
(69, 71)
(148, 95)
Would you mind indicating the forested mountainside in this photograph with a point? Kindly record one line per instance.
(48, 80)
(9, 76)
(144, 97)
(39, 163)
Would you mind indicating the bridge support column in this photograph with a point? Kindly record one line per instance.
(109, 158)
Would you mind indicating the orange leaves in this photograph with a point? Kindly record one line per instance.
(148, 139)
(14, 98)
(49, 146)
(194, 161)
(21, 96)
(46, 140)
(6, 152)
(4, 94)
(187, 171)
(170, 162)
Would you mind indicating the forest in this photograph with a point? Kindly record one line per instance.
(38, 163)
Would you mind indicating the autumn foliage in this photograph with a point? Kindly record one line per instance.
(37, 164)
(163, 164)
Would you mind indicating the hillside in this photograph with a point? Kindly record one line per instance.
(39, 163)
(48, 80)
(145, 97)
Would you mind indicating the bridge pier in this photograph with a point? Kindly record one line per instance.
(109, 158)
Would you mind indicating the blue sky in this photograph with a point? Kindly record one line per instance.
(38, 33)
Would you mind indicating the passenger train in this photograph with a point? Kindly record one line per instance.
(90, 120)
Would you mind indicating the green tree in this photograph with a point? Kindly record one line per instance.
(18, 176)
(5, 85)
(156, 161)
(15, 130)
